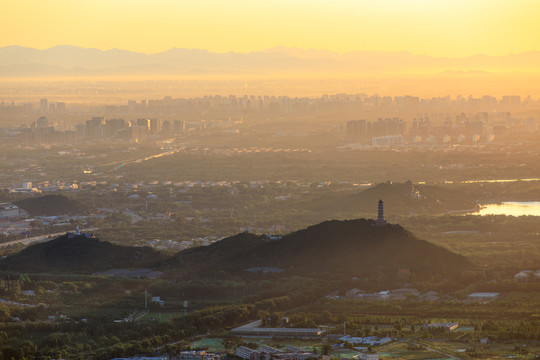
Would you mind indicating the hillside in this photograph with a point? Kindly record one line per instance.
(79, 254)
(51, 205)
(399, 198)
(332, 249)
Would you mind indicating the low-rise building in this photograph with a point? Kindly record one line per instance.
(253, 329)
(270, 353)
(198, 355)
(447, 326)
(523, 275)
(368, 340)
(482, 297)
(8, 211)
(246, 353)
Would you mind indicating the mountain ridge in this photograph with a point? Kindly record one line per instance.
(68, 60)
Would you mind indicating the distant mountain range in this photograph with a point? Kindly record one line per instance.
(65, 60)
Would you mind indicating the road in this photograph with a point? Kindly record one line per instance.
(34, 239)
(437, 351)
(122, 163)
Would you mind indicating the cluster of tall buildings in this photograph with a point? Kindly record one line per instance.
(365, 131)
(480, 128)
(50, 107)
(100, 128)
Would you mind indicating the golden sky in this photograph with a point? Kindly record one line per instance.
(450, 28)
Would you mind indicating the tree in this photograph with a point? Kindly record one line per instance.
(274, 319)
(326, 349)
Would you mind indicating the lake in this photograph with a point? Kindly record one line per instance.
(511, 208)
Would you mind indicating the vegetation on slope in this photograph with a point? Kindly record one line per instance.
(51, 205)
(80, 254)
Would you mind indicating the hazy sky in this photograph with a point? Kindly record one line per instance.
(430, 27)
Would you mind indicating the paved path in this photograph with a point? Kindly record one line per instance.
(437, 351)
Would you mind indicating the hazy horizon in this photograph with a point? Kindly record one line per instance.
(443, 28)
(277, 71)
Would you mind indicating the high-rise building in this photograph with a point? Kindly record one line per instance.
(155, 126)
(93, 127)
(179, 126)
(144, 123)
(42, 122)
(43, 105)
(112, 126)
(166, 126)
(356, 130)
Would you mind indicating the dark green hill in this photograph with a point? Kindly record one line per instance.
(79, 254)
(51, 205)
(332, 249)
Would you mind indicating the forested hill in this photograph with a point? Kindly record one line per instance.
(79, 254)
(332, 249)
(51, 205)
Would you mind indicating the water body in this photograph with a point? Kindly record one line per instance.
(511, 208)
(483, 181)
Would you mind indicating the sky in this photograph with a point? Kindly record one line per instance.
(445, 28)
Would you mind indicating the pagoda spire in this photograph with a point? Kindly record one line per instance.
(380, 214)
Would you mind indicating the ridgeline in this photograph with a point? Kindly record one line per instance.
(332, 249)
(79, 254)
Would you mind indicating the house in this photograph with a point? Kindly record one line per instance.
(353, 293)
(523, 275)
(429, 296)
(157, 300)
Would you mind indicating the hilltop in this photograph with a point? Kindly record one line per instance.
(332, 249)
(79, 253)
(51, 205)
